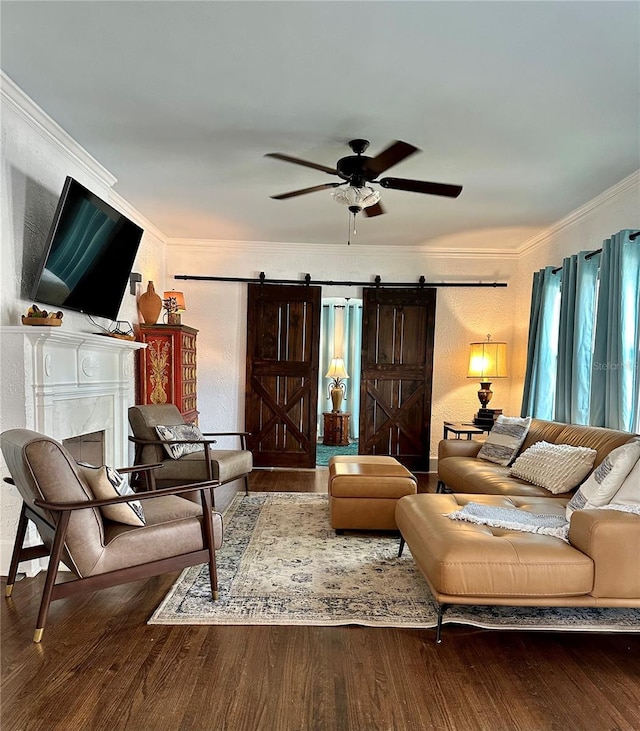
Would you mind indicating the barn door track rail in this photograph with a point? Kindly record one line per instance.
(376, 282)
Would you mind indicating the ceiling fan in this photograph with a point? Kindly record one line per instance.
(358, 173)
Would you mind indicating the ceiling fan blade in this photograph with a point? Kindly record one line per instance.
(375, 210)
(303, 191)
(421, 186)
(306, 163)
(395, 153)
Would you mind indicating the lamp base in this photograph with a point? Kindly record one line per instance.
(337, 395)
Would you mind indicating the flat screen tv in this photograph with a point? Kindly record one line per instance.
(89, 255)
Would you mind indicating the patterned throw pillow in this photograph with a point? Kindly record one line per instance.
(180, 431)
(629, 492)
(106, 483)
(606, 479)
(505, 439)
(556, 467)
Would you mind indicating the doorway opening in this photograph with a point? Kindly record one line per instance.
(340, 353)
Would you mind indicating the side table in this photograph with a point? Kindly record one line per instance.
(458, 428)
(336, 428)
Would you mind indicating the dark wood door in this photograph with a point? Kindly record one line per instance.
(283, 336)
(396, 378)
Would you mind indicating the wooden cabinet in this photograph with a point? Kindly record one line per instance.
(336, 429)
(167, 368)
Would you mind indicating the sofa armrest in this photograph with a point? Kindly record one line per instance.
(458, 448)
(611, 538)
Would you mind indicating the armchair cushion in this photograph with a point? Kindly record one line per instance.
(106, 483)
(180, 431)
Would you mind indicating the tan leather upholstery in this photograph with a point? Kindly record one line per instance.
(461, 471)
(465, 563)
(364, 489)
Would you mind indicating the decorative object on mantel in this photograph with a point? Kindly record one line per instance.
(36, 316)
(174, 304)
(487, 360)
(338, 373)
(150, 305)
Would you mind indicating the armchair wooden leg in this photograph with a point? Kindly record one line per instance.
(246, 484)
(17, 550)
(209, 539)
(52, 572)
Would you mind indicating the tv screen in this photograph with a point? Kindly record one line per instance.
(89, 255)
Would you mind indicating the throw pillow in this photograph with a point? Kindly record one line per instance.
(505, 439)
(184, 432)
(606, 479)
(106, 483)
(556, 467)
(629, 492)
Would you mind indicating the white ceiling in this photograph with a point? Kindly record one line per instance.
(532, 106)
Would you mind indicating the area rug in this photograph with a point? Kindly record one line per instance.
(282, 564)
(324, 453)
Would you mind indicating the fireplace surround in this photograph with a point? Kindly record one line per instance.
(67, 385)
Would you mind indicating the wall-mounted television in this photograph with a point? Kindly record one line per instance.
(89, 255)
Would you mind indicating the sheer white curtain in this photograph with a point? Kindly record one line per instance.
(340, 337)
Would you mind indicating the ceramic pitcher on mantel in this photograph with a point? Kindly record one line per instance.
(150, 305)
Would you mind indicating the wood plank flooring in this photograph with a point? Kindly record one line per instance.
(100, 666)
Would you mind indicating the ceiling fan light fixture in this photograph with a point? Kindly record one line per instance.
(356, 198)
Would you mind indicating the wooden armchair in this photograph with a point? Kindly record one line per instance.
(101, 552)
(222, 465)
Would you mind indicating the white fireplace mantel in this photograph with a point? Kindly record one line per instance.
(66, 384)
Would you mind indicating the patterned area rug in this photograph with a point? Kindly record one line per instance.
(281, 563)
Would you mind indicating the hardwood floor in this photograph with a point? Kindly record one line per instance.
(100, 666)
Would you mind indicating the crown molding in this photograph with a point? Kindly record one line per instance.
(578, 214)
(355, 250)
(12, 95)
(117, 201)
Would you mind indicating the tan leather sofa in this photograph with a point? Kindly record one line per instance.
(466, 563)
(460, 470)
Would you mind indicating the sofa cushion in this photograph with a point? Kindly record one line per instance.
(466, 560)
(556, 467)
(475, 476)
(505, 439)
(599, 438)
(607, 478)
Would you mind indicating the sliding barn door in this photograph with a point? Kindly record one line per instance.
(397, 368)
(283, 335)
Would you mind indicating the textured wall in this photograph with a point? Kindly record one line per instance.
(218, 311)
(36, 158)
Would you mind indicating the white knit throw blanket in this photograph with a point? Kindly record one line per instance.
(523, 520)
(513, 519)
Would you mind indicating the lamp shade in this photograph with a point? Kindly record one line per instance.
(355, 197)
(488, 360)
(179, 298)
(337, 369)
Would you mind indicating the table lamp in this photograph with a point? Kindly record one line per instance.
(487, 360)
(338, 373)
(174, 304)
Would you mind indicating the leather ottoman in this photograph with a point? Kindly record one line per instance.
(364, 490)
